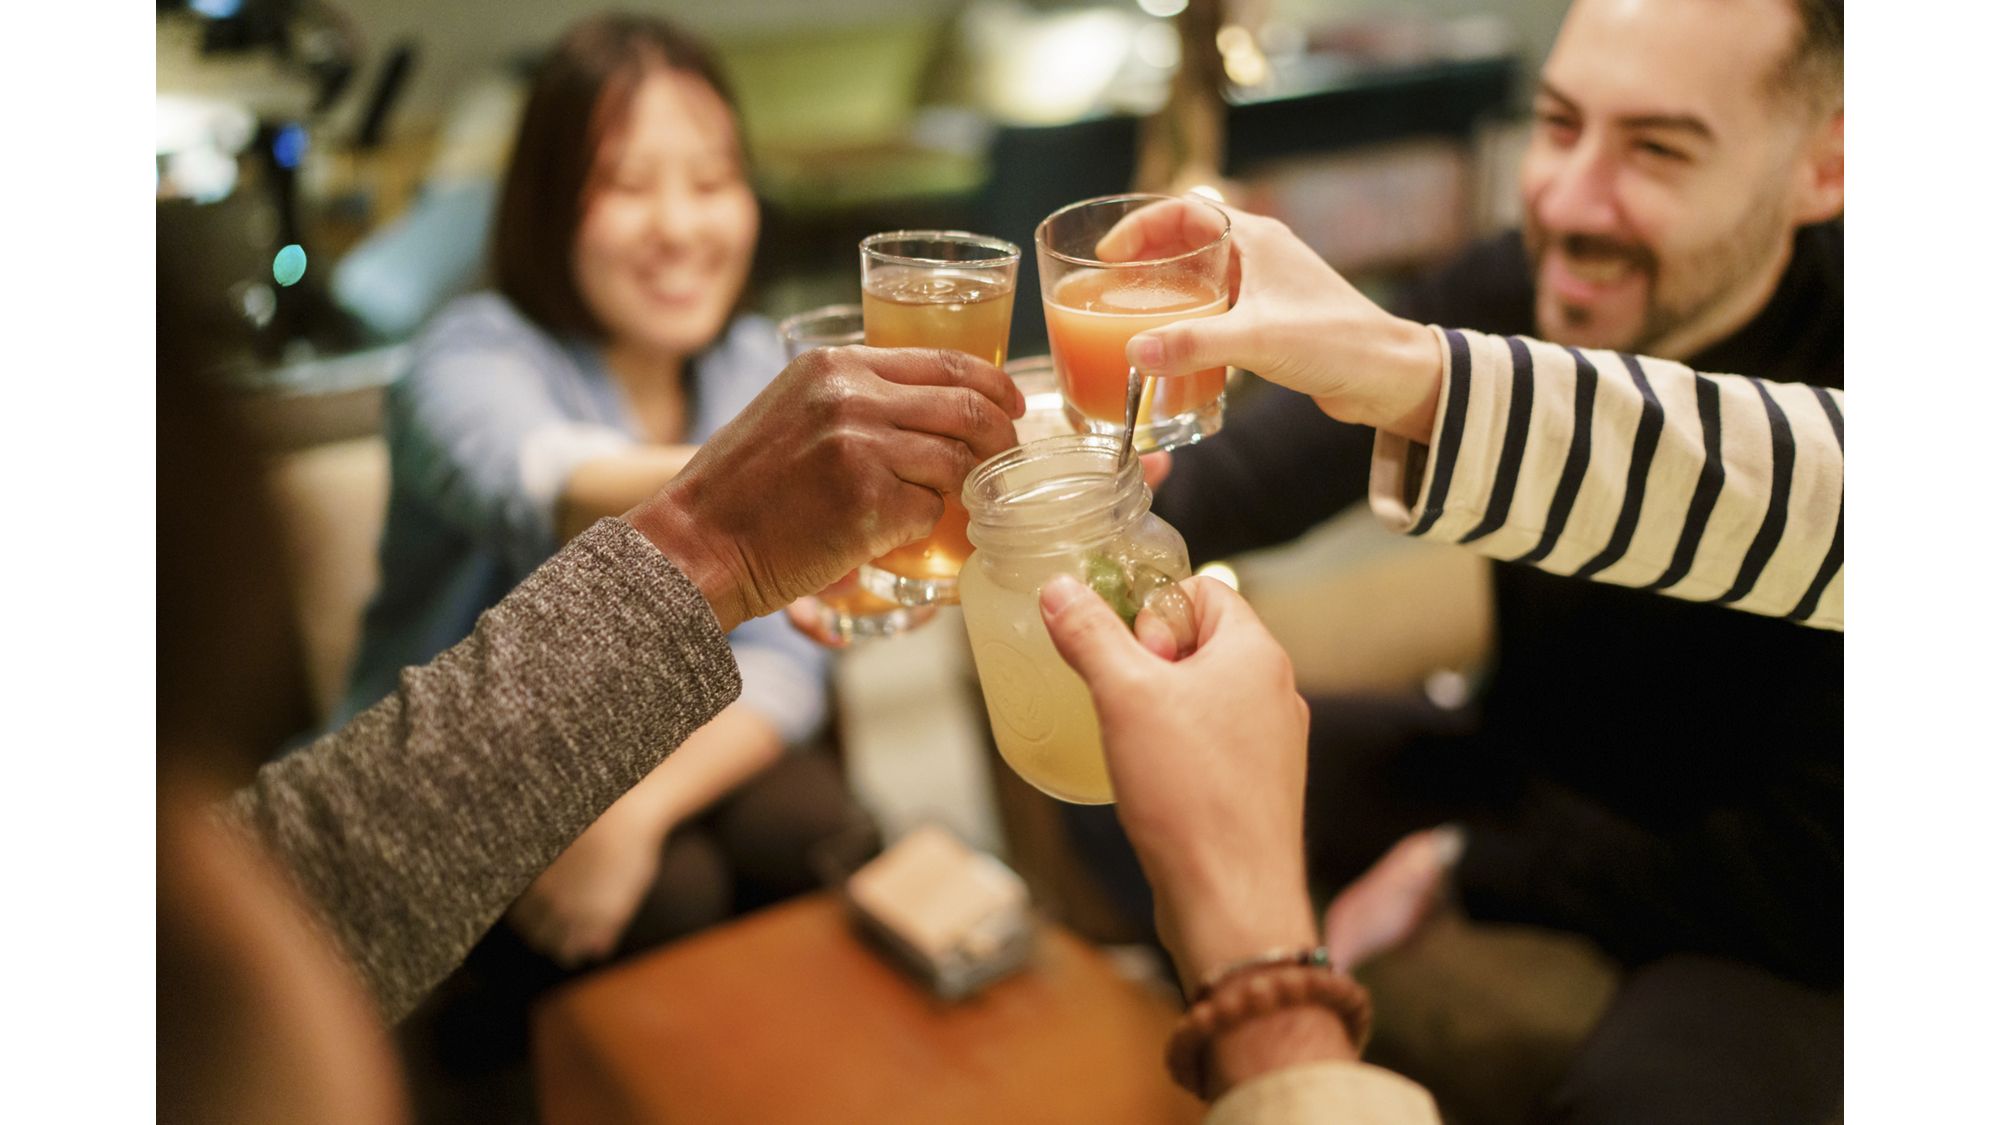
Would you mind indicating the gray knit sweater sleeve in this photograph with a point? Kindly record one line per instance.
(413, 827)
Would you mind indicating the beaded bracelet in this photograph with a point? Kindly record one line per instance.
(1253, 990)
(1316, 956)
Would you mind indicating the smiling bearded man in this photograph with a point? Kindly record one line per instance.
(1660, 776)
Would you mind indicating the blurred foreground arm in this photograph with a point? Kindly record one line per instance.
(410, 829)
(1208, 758)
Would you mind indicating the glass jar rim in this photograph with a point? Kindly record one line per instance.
(1042, 243)
(1045, 514)
(1005, 252)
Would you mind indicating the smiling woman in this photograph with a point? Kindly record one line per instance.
(626, 215)
(612, 347)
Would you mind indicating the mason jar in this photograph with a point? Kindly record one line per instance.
(1058, 505)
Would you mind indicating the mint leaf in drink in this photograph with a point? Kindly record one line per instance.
(1109, 579)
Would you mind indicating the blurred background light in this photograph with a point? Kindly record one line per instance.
(1242, 59)
(1223, 573)
(204, 175)
(255, 301)
(289, 147)
(1157, 46)
(290, 264)
(1058, 67)
(1165, 9)
(216, 9)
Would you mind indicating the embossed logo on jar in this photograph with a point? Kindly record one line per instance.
(1017, 691)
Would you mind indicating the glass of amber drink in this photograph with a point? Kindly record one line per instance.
(847, 609)
(935, 289)
(1094, 307)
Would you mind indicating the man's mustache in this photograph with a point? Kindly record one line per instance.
(1591, 248)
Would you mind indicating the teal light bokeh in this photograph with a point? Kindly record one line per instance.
(290, 264)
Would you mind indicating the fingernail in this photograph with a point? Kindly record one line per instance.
(1059, 591)
(1146, 353)
(1448, 844)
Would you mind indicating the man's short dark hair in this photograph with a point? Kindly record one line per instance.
(1813, 70)
(580, 93)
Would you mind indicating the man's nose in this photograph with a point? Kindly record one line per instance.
(1581, 195)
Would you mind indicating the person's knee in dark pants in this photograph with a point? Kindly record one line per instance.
(1702, 1040)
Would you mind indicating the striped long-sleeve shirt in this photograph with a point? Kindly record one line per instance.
(1635, 471)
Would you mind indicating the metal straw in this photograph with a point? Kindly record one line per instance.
(1134, 385)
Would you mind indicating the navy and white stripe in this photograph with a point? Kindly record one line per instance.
(1635, 471)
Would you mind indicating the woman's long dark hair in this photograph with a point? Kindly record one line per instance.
(580, 94)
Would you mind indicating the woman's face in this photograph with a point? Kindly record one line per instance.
(669, 222)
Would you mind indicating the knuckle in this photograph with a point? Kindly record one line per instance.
(823, 400)
(957, 366)
(922, 509)
(854, 404)
(963, 460)
(819, 364)
(853, 460)
(976, 412)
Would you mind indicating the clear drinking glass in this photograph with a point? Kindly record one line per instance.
(1046, 415)
(1060, 505)
(847, 609)
(1094, 307)
(935, 289)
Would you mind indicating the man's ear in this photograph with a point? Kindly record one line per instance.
(1822, 178)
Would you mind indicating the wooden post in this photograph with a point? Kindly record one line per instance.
(1182, 144)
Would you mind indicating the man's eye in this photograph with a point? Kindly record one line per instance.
(1663, 152)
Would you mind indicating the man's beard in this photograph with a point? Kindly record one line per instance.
(1698, 283)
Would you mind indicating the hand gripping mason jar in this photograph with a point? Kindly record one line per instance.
(1060, 505)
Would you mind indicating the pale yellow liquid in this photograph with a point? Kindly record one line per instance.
(1041, 713)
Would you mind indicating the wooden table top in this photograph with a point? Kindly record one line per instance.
(787, 1016)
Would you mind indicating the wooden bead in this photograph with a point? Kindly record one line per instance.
(1259, 991)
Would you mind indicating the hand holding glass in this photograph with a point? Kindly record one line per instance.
(935, 289)
(846, 609)
(1095, 305)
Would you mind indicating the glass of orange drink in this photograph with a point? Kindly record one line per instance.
(935, 289)
(1094, 307)
(847, 609)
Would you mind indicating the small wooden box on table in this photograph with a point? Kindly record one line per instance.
(787, 1016)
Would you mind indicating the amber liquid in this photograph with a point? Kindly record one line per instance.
(848, 598)
(1091, 317)
(919, 307)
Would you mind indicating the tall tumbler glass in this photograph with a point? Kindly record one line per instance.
(935, 289)
(1094, 307)
(847, 609)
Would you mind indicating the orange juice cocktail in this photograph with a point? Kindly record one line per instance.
(1092, 316)
(1094, 307)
